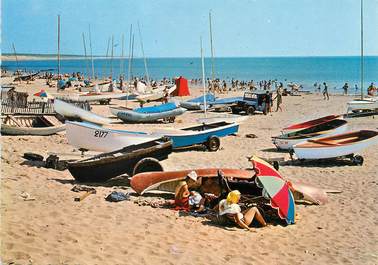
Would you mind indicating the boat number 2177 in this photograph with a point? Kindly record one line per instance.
(100, 134)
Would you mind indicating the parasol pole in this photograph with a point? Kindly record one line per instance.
(203, 77)
(85, 56)
(144, 57)
(212, 54)
(362, 49)
(58, 47)
(90, 46)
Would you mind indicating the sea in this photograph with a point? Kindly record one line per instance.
(307, 71)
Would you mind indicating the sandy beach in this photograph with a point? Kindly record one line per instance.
(54, 229)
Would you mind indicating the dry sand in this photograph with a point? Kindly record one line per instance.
(53, 229)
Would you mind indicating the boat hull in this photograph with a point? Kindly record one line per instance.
(188, 137)
(286, 143)
(167, 181)
(92, 137)
(132, 116)
(307, 124)
(70, 111)
(357, 105)
(332, 151)
(11, 130)
(110, 165)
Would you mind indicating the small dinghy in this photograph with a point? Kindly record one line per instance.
(30, 125)
(207, 134)
(88, 136)
(156, 94)
(148, 114)
(332, 127)
(129, 160)
(366, 104)
(340, 145)
(197, 103)
(308, 124)
(70, 111)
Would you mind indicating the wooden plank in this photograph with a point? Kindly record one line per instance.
(52, 119)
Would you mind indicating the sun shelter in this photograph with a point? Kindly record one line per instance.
(182, 87)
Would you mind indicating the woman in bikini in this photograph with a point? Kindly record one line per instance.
(229, 210)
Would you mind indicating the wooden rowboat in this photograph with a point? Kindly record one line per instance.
(128, 160)
(336, 146)
(30, 125)
(288, 140)
(308, 124)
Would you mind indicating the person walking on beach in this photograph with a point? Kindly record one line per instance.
(279, 97)
(345, 87)
(355, 89)
(325, 91)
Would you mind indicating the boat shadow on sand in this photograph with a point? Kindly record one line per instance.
(324, 163)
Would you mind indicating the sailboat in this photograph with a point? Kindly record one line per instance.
(362, 104)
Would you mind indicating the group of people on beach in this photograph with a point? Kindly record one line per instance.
(198, 196)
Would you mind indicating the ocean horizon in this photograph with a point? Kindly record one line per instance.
(306, 70)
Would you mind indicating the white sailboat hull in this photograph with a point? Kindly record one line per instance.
(71, 111)
(366, 104)
(96, 138)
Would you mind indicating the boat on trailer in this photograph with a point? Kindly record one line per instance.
(308, 124)
(366, 104)
(31, 125)
(207, 134)
(340, 145)
(89, 136)
(129, 160)
(148, 114)
(288, 140)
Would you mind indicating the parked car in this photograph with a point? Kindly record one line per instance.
(252, 101)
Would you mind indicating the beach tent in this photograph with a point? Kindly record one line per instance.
(182, 87)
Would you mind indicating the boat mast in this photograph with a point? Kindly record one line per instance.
(121, 75)
(130, 43)
(106, 57)
(58, 47)
(15, 55)
(144, 57)
(362, 50)
(212, 54)
(90, 46)
(85, 56)
(111, 59)
(203, 77)
(132, 57)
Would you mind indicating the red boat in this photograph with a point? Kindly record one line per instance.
(308, 124)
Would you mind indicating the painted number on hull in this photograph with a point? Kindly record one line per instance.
(100, 134)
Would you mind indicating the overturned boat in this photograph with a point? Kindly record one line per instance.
(129, 160)
(89, 136)
(70, 111)
(288, 140)
(148, 114)
(346, 144)
(197, 103)
(31, 125)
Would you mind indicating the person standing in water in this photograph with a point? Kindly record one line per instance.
(325, 91)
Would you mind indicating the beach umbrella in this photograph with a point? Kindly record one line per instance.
(42, 94)
(276, 188)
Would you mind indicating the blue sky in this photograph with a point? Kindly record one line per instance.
(172, 28)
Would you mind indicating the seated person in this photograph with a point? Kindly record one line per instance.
(229, 210)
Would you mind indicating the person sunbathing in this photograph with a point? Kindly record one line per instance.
(229, 210)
